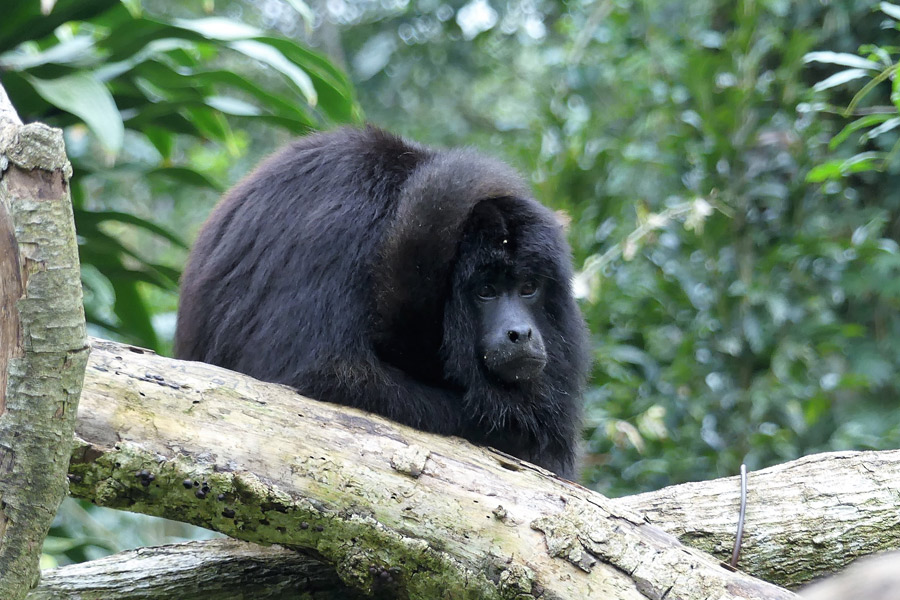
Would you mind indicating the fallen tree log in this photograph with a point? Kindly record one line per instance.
(394, 510)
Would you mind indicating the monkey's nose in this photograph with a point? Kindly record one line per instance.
(515, 335)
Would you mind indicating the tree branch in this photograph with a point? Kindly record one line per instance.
(436, 515)
(43, 348)
(805, 519)
(223, 569)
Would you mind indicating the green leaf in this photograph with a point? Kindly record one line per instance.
(336, 93)
(82, 95)
(840, 58)
(885, 74)
(165, 116)
(98, 291)
(22, 20)
(840, 78)
(312, 61)
(233, 106)
(835, 169)
(211, 124)
(136, 39)
(275, 59)
(891, 10)
(105, 252)
(200, 83)
(895, 93)
(864, 161)
(80, 50)
(93, 318)
(304, 11)
(186, 176)
(861, 123)
(134, 321)
(632, 354)
(218, 28)
(139, 275)
(162, 139)
(830, 170)
(97, 217)
(134, 316)
(883, 128)
(134, 7)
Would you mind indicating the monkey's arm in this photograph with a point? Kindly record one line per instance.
(382, 389)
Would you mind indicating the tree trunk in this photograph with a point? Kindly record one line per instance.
(43, 348)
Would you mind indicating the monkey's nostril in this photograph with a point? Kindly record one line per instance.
(516, 336)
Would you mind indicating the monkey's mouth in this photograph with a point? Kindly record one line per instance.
(516, 368)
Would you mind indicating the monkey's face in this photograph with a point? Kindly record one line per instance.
(510, 342)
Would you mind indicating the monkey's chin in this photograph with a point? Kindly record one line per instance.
(519, 369)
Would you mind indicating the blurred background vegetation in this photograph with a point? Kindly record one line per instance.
(731, 171)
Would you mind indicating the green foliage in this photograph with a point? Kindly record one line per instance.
(135, 94)
(878, 65)
(705, 325)
(83, 531)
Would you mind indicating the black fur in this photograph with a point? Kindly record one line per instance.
(342, 266)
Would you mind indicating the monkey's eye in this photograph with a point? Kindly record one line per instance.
(487, 292)
(528, 289)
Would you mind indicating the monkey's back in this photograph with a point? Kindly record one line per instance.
(279, 276)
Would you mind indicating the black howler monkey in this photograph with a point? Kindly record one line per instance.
(424, 285)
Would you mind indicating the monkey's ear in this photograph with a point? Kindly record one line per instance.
(563, 218)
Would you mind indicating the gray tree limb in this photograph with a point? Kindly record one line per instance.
(223, 569)
(43, 348)
(392, 509)
(805, 519)
(786, 503)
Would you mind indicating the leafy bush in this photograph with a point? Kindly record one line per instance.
(877, 66)
(137, 95)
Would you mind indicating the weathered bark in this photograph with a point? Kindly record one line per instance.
(43, 348)
(442, 518)
(222, 569)
(805, 519)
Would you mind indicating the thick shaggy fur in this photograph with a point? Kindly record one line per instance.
(342, 266)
